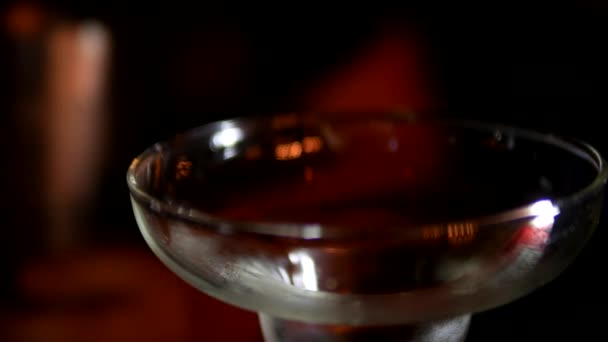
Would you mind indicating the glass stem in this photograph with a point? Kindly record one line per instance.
(448, 330)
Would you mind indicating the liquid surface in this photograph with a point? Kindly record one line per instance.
(361, 175)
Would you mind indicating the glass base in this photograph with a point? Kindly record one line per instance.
(449, 330)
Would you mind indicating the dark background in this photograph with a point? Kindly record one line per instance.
(175, 67)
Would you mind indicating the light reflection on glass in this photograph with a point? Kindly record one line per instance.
(461, 232)
(288, 151)
(183, 169)
(307, 276)
(311, 144)
(227, 137)
(536, 235)
(541, 216)
(432, 233)
(295, 149)
(456, 233)
(283, 275)
(542, 221)
(544, 212)
(229, 153)
(312, 231)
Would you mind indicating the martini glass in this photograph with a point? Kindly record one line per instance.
(366, 227)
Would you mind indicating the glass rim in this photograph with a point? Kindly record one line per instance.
(318, 231)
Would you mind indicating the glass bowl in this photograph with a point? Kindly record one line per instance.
(337, 227)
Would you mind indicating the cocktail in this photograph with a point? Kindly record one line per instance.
(341, 227)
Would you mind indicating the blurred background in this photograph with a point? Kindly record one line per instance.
(84, 88)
